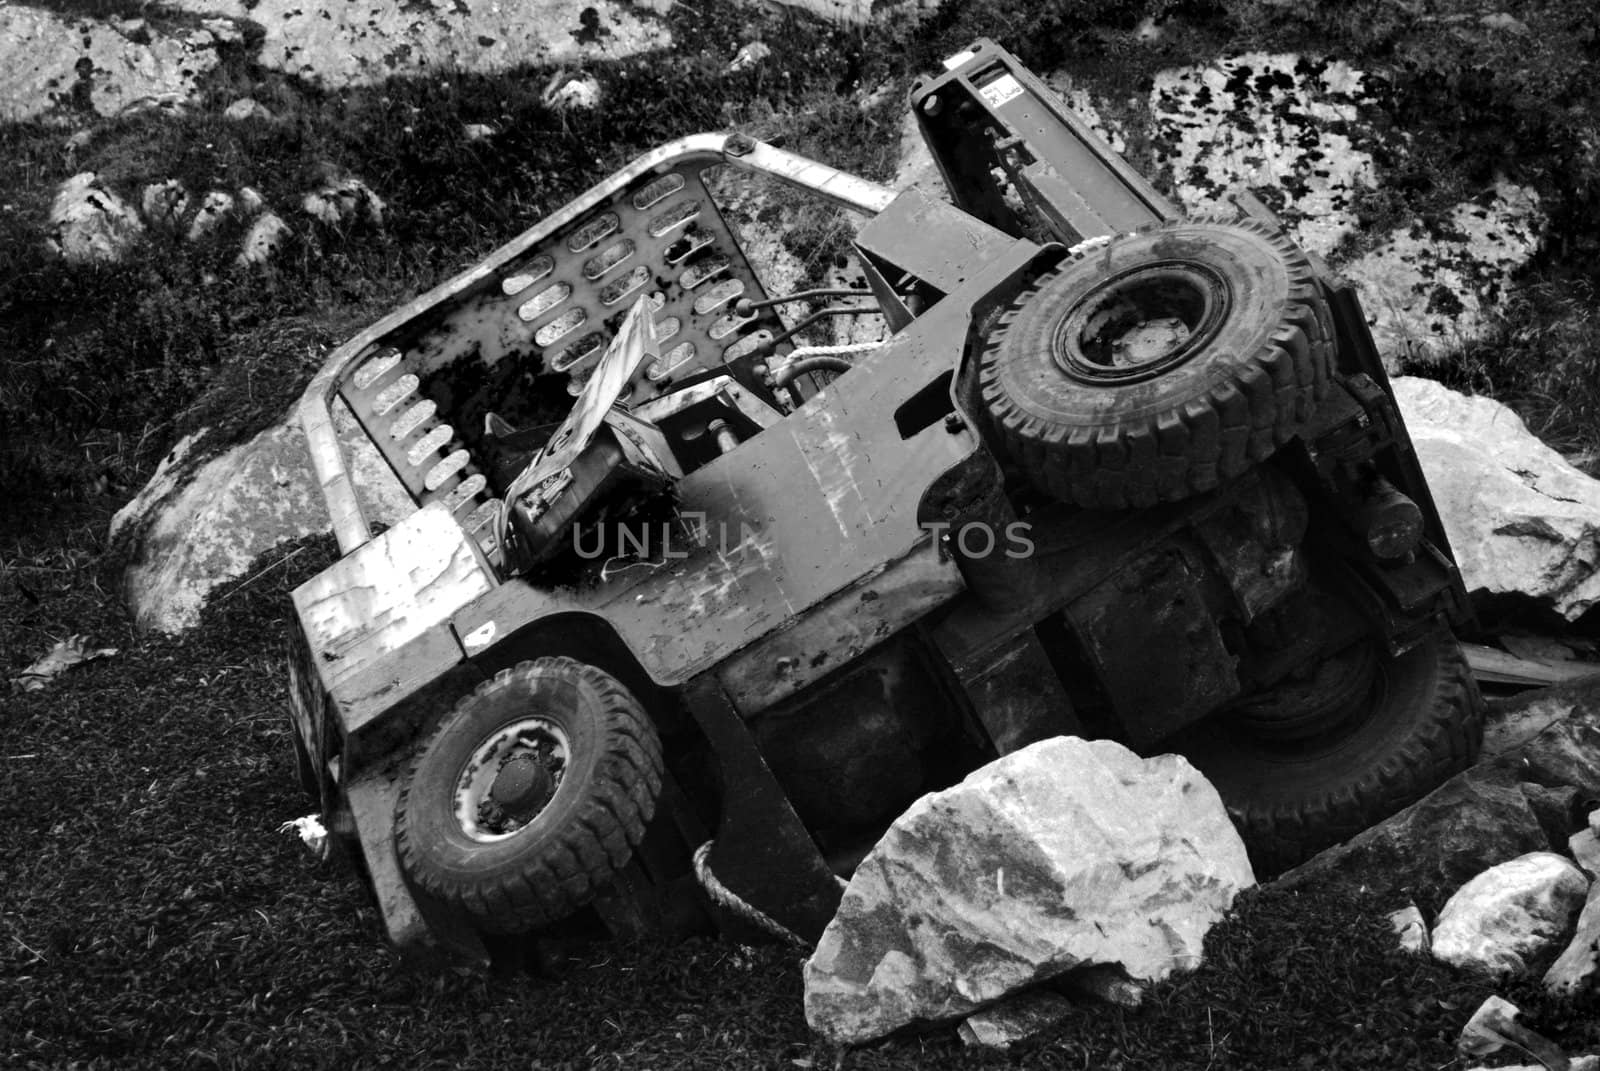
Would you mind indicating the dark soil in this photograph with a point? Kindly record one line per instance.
(154, 917)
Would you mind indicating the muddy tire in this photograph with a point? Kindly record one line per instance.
(531, 796)
(1423, 723)
(1159, 364)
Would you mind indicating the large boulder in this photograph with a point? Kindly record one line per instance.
(1511, 913)
(195, 527)
(1521, 520)
(1065, 853)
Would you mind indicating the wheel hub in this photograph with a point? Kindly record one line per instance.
(510, 779)
(1142, 323)
(1337, 691)
(523, 786)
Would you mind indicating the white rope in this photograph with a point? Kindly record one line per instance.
(800, 353)
(735, 904)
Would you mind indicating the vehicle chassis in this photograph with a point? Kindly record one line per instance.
(829, 562)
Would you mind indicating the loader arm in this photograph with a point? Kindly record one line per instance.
(990, 123)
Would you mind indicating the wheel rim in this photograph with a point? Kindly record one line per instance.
(1141, 324)
(510, 779)
(1344, 691)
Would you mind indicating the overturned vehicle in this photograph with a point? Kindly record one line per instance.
(687, 604)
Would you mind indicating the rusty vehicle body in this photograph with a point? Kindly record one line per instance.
(839, 593)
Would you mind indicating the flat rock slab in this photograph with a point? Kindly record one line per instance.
(48, 61)
(351, 43)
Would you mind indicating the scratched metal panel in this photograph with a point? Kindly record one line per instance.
(388, 593)
(820, 502)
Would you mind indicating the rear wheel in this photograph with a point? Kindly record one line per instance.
(1160, 364)
(531, 796)
(1317, 761)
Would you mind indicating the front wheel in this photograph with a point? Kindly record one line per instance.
(531, 796)
(1298, 775)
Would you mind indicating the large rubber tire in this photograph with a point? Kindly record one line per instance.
(1423, 724)
(1099, 411)
(586, 832)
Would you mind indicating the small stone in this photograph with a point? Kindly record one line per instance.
(1500, 20)
(248, 108)
(578, 92)
(1148, 32)
(1014, 1019)
(1575, 969)
(164, 203)
(135, 30)
(250, 201)
(264, 239)
(750, 55)
(226, 31)
(1585, 848)
(478, 131)
(1103, 982)
(1411, 929)
(346, 202)
(1510, 912)
(1494, 1026)
(90, 223)
(213, 210)
(78, 142)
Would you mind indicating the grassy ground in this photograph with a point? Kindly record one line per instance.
(151, 915)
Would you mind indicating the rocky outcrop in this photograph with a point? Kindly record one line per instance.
(196, 527)
(1062, 854)
(1271, 122)
(90, 223)
(1521, 520)
(1511, 913)
(1286, 127)
(1426, 288)
(48, 61)
(340, 45)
